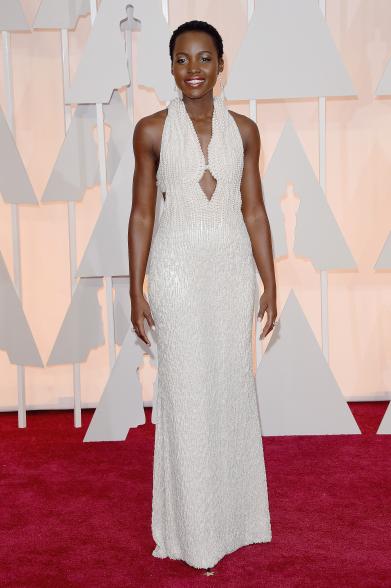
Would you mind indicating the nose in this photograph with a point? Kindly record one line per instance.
(193, 67)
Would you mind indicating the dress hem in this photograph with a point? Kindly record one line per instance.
(161, 554)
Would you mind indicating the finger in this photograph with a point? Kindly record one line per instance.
(266, 330)
(268, 325)
(150, 320)
(141, 333)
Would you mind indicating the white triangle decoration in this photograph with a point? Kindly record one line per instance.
(12, 17)
(106, 253)
(385, 425)
(121, 406)
(384, 259)
(15, 185)
(103, 66)
(60, 14)
(82, 328)
(16, 338)
(288, 52)
(297, 391)
(384, 86)
(121, 309)
(76, 167)
(317, 234)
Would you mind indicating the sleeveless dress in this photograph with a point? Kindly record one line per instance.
(209, 481)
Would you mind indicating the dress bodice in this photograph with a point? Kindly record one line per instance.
(182, 161)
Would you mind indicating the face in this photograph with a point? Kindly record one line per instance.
(195, 65)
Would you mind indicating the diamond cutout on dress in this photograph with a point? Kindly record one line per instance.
(211, 181)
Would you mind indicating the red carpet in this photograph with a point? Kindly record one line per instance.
(78, 514)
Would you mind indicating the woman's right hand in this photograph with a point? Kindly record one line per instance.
(140, 310)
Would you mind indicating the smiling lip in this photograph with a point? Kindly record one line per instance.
(195, 81)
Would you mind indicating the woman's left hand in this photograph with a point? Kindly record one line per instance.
(268, 303)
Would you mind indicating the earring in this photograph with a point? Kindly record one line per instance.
(178, 91)
(221, 88)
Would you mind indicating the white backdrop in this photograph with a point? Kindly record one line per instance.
(357, 191)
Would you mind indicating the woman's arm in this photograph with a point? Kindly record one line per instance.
(257, 222)
(141, 220)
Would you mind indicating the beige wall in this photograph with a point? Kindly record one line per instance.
(358, 190)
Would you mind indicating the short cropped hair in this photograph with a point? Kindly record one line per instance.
(197, 25)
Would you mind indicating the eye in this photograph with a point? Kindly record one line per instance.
(206, 58)
(180, 60)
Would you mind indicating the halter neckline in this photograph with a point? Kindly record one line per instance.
(205, 161)
(182, 162)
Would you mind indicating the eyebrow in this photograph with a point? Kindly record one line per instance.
(202, 51)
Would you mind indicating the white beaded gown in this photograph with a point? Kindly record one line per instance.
(209, 480)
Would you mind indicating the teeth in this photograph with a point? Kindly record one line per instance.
(194, 82)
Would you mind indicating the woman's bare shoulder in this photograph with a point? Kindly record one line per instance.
(247, 127)
(148, 130)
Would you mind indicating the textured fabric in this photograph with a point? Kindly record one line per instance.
(209, 480)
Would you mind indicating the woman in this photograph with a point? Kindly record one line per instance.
(209, 481)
